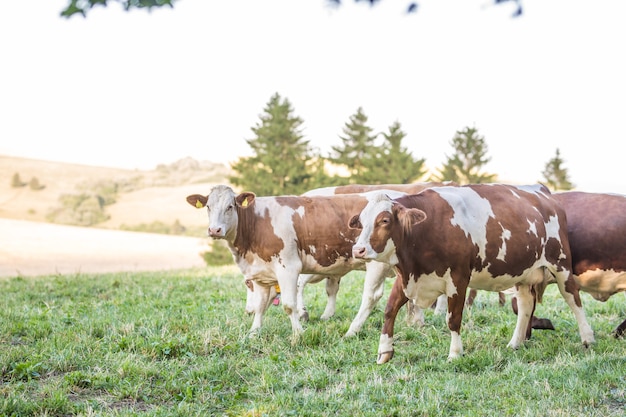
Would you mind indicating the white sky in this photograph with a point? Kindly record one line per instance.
(137, 89)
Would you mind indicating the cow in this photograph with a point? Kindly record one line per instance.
(486, 236)
(275, 239)
(374, 283)
(596, 229)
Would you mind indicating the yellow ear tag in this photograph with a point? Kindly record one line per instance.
(199, 204)
(245, 203)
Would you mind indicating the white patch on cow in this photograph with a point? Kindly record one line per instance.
(385, 344)
(456, 346)
(532, 188)
(378, 202)
(504, 236)
(375, 195)
(221, 211)
(601, 283)
(323, 192)
(473, 222)
(427, 288)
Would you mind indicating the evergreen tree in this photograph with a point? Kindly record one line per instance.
(465, 165)
(281, 163)
(358, 148)
(555, 175)
(395, 164)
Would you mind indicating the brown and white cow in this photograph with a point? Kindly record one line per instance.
(374, 282)
(596, 227)
(488, 236)
(275, 239)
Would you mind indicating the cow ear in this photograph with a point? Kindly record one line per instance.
(197, 200)
(409, 217)
(415, 216)
(245, 199)
(355, 222)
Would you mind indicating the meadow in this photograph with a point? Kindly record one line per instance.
(176, 343)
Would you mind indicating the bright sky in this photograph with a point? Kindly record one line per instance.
(137, 89)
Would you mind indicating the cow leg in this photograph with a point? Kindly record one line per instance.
(525, 306)
(441, 306)
(250, 296)
(501, 298)
(414, 314)
(397, 298)
(261, 297)
(288, 282)
(569, 290)
(372, 292)
(471, 295)
(620, 330)
(332, 288)
(303, 280)
(456, 304)
(535, 322)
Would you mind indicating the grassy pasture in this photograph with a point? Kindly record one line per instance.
(175, 344)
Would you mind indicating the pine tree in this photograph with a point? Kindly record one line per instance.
(465, 165)
(358, 148)
(395, 164)
(281, 163)
(555, 175)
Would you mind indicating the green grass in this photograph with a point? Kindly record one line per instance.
(175, 344)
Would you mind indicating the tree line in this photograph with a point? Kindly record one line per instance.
(284, 162)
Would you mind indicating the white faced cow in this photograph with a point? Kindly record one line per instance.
(275, 239)
(374, 279)
(490, 236)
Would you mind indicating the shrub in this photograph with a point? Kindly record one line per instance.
(16, 181)
(79, 210)
(35, 185)
(219, 254)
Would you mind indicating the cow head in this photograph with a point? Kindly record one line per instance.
(381, 218)
(221, 204)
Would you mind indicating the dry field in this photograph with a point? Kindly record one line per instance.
(30, 246)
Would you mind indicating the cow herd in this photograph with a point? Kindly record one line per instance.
(438, 240)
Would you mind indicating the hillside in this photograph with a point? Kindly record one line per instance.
(29, 245)
(142, 196)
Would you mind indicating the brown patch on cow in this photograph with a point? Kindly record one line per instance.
(263, 241)
(596, 226)
(429, 240)
(322, 225)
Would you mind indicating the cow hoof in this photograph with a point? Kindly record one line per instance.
(542, 324)
(304, 316)
(384, 357)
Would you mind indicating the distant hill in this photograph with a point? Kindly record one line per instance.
(141, 196)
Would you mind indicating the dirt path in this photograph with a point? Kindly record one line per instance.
(32, 248)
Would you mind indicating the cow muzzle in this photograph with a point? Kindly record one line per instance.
(358, 252)
(216, 232)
